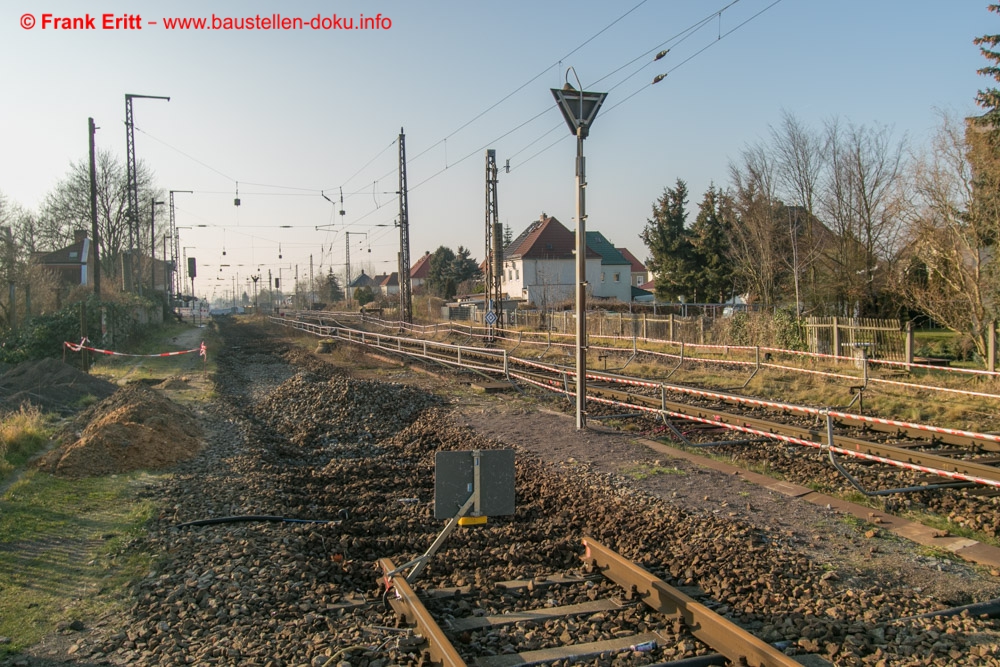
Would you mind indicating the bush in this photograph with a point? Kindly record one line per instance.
(779, 329)
(43, 336)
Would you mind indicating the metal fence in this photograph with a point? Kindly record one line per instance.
(879, 339)
(692, 329)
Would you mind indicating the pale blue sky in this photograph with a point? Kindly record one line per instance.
(309, 109)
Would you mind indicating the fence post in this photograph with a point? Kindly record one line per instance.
(909, 344)
(836, 338)
(701, 329)
(644, 326)
(670, 326)
(991, 345)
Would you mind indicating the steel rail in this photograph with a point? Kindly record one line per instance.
(460, 356)
(819, 436)
(408, 606)
(724, 636)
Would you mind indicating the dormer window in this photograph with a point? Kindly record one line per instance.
(74, 255)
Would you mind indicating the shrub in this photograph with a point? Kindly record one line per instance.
(779, 329)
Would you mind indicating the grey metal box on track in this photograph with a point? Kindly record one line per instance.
(454, 473)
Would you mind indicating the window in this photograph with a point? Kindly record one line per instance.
(602, 276)
(74, 255)
(618, 277)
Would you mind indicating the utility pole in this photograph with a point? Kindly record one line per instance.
(494, 251)
(405, 295)
(166, 271)
(96, 268)
(133, 186)
(152, 245)
(12, 289)
(312, 287)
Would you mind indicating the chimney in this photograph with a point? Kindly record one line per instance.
(79, 235)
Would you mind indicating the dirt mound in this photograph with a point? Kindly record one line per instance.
(136, 428)
(173, 383)
(51, 385)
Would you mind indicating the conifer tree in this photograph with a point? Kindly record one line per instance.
(669, 243)
(713, 277)
(989, 99)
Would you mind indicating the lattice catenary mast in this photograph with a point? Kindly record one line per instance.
(494, 250)
(133, 189)
(405, 294)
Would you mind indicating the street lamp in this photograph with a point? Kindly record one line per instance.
(152, 244)
(579, 108)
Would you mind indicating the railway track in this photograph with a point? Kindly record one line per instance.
(672, 623)
(954, 456)
(308, 438)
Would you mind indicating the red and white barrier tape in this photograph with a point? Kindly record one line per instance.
(784, 407)
(774, 436)
(77, 347)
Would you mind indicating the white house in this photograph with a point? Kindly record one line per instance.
(539, 266)
(616, 271)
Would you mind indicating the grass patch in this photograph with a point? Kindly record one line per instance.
(942, 523)
(22, 434)
(66, 551)
(640, 471)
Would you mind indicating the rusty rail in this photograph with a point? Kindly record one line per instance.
(724, 636)
(412, 610)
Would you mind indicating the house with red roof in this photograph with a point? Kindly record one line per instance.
(539, 266)
(640, 275)
(74, 264)
(388, 284)
(419, 271)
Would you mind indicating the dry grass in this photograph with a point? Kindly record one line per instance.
(22, 434)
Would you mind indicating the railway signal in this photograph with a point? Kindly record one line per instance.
(579, 109)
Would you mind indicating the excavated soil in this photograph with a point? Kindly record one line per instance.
(51, 385)
(136, 428)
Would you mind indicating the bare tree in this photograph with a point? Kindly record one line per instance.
(864, 203)
(949, 270)
(67, 208)
(798, 156)
(759, 243)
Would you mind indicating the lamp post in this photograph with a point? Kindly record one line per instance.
(152, 243)
(579, 108)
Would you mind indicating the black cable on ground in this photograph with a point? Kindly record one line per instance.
(250, 517)
(990, 608)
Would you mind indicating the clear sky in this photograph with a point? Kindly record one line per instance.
(291, 113)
